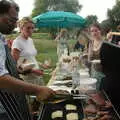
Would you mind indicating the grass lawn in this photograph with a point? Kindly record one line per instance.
(46, 48)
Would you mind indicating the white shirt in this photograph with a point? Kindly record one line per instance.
(26, 47)
(27, 50)
(3, 69)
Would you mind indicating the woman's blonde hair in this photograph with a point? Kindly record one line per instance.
(24, 21)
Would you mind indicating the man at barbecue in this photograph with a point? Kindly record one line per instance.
(12, 90)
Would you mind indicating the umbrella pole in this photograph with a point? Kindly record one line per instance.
(58, 30)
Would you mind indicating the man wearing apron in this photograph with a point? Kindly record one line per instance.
(13, 104)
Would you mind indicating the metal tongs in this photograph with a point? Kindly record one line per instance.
(59, 97)
(78, 95)
(63, 95)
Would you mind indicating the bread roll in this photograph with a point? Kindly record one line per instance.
(57, 114)
(72, 116)
(71, 107)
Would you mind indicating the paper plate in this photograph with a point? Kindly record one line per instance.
(88, 81)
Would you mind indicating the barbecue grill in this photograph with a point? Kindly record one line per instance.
(49, 108)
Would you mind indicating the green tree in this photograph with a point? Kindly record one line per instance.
(65, 5)
(106, 26)
(41, 6)
(90, 19)
(114, 15)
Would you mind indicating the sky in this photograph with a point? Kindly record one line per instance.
(90, 7)
(26, 7)
(96, 7)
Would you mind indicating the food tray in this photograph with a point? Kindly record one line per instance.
(47, 110)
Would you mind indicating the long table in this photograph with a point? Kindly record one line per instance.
(115, 115)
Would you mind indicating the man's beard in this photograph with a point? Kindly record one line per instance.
(5, 29)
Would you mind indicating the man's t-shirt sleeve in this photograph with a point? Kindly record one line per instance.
(3, 69)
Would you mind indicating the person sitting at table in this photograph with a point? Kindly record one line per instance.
(82, 40)
(24, 52)
(78, 46)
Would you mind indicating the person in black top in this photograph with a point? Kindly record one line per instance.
(79, 46)
(110, 60)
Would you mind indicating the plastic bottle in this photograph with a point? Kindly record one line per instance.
(65, 51)
(75, 78)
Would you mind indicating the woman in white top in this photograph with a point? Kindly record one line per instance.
(24, 51)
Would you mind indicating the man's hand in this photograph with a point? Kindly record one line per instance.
(44, 93)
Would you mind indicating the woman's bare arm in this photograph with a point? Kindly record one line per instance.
(15, 53)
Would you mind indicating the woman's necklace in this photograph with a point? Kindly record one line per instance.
(97, 45)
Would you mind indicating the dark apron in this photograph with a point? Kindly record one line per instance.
(15, 104)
